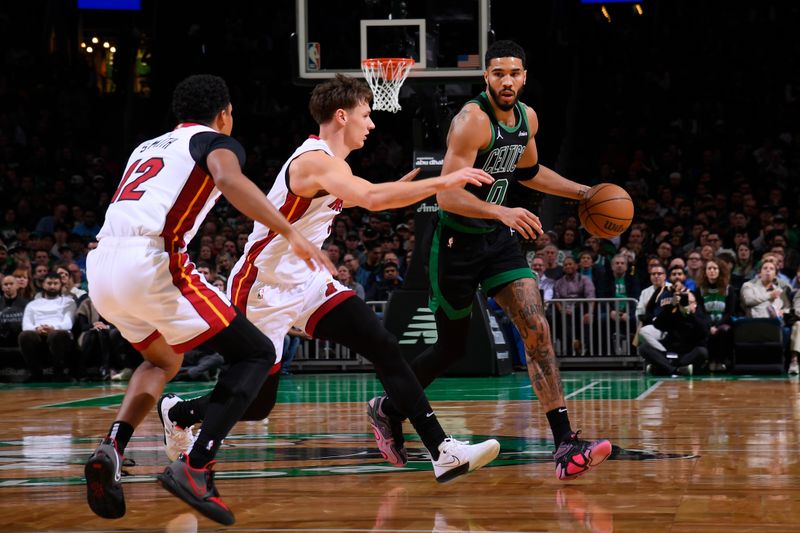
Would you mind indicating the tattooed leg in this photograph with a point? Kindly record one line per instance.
(522, 303)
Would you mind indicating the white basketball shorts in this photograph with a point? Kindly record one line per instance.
(146, 292)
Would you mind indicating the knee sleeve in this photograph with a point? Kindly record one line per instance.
(262, 404)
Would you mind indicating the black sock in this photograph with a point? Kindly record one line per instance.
(189, 412)
(559, 424)
(429, 431)
(121, 432)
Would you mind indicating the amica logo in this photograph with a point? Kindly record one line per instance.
(421, 327)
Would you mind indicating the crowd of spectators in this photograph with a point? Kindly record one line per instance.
(713, 185)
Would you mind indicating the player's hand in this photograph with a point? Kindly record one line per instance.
(411, 175)
(314, 257)
(466, 176)
(522, 221)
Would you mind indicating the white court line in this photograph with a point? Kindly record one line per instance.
(575, 393)
(649, 391)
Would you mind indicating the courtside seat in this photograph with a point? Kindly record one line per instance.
(758, 346)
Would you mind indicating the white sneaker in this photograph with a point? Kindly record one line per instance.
(457, 458)
(794, 368)
(178, 440)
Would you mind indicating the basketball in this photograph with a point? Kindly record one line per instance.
(606, 211)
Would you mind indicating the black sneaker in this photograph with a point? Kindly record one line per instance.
(103, 487)
(187, 483)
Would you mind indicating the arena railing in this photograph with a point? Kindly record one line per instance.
(602, 340)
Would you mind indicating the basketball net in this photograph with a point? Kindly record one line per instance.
(385, 77)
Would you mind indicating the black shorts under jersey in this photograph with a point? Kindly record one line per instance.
(459, 262)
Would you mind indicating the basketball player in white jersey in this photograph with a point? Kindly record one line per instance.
(279, 291)
(141, 279)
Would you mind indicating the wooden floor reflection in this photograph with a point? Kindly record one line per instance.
(694, 455)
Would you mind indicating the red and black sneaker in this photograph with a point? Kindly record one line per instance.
(388, 433)
(103, 472)
(575, 456)
(196, 487)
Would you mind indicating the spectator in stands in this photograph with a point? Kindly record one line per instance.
(345, 277)
(569, 242)
(745, 268)
(291, 345)
(224, 263)
(690, 282)
(23, 277)
(545, 283)
(334, 253)
(100, 343)
(352, 246)
(664, 252)
(11, 313)
(551, 265)
(658, 279)
(763, 297)
(39, 273)
(46, 330)
(390, 281)
(682, 345)
(592, 243)
(719, 300)
(588, 268)
(88, 227)
(794, 340)
(694, 265)
(68, 286)
(619, 283)
(369, 269)
(207, 270)
(571, 286)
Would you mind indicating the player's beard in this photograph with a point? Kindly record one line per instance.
(496, 97)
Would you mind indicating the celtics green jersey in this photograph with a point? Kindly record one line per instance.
(499, 160)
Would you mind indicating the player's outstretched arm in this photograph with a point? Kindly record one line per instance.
(245, 196)
(315, 171)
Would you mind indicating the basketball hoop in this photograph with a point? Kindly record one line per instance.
(385, 75)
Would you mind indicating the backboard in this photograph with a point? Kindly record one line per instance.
(446, 38)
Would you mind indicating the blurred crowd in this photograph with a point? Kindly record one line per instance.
(709, 151)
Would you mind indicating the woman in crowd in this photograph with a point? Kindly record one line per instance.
(719, 300)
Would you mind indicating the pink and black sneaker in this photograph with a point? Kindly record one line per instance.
(575, 456)
(388, 433)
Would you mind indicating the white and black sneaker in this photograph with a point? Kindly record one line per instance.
(178, 440)
(457, 458)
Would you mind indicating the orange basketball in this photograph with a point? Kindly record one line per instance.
(606, 211)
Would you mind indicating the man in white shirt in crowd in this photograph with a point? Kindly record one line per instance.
(46, 329)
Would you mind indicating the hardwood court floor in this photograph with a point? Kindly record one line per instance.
(694, 455)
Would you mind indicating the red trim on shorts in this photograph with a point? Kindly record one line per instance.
(325, 308)
(217, 313)
(200, 339)
(143, 345)
(275, 368)
(293, 208)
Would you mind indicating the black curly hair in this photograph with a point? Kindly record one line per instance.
(342, 92)
(504, 49)
(199, 98)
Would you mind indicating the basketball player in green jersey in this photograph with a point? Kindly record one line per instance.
(473, 246)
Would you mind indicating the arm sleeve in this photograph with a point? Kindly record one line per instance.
(203, 143)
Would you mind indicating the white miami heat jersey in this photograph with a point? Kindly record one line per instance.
(165, 192)
(267, 255)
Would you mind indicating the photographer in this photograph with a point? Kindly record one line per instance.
(683, 345)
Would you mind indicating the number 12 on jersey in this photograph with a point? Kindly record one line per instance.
(128, 188)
